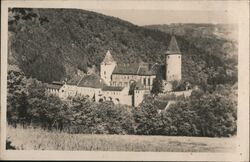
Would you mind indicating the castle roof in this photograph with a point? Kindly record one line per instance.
(92, 81)
(74, 80)
(134, 69)
(108, 58)
(55, 85)
(173, 47)
(112, 88)
(126, 69)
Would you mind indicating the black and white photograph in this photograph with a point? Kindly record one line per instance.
(125, 77)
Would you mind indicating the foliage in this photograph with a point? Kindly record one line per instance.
(203, 114)
(52, 44)
(16, 97)
(217, 115)
(157, 86)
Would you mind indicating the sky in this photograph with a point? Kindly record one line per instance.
(149, 17)
(148, 12)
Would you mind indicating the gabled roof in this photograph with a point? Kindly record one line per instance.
(112, 88)
(108, 59)
(92, 81)
(173, 47)
(130, 69)
(55, 85)
(74, 80)
(146, 69)
(134, 69)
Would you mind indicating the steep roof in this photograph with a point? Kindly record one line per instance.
(134, 69)
(146, 69)
(108, 58)
(92, 81)
(126, 69)
(74, 80)
(173, 47)
(112, 88)
(55, 85)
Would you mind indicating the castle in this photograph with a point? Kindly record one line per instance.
(115, 80)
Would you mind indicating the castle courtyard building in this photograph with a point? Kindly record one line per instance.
(115, 79)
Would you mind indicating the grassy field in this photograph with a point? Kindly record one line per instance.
(38, 139)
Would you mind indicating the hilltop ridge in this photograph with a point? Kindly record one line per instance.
(57, 43)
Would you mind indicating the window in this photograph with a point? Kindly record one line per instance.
(104, 72)
(144, 81)
(62, 90)
(149, 81)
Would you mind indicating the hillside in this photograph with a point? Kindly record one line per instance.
(210, 37)
(52, 44)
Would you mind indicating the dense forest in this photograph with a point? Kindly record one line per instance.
(48, 45)
(209, 114)
(51, 44)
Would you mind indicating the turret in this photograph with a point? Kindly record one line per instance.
(107, 67)
(173, 61)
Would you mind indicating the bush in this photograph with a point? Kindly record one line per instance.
(203, 114)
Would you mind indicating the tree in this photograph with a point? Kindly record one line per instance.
(217, 115)
(182, 120)
(157, 86)
(147, 119)
(16, 98)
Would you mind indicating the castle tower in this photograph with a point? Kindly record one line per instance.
(107, 67)
(173, 61)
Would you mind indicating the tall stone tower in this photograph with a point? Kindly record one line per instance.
(173, 61)
(107, 67)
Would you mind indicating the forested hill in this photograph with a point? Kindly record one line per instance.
(51, 44)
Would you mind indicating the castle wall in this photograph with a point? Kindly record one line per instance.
(147, 81)
(173, 67)
(106, 72)
(88, 91)
(118, 97)
(123, 80)
(53, 91)
(139, 96)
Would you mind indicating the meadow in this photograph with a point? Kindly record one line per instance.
(38, 139)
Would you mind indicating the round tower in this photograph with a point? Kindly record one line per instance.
(173, 61)
(107, 67)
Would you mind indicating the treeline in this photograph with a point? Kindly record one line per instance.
(203, 114)
(51, 44)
